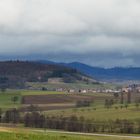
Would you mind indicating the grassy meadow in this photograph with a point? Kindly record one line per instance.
(21, 136)
(6, 102)
(26, 134)
(101, 113)
(79, 85)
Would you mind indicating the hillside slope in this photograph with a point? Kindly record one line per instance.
(117, 73)
(104, 74)
(16, 73)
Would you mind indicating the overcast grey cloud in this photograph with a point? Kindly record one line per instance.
(97, 32)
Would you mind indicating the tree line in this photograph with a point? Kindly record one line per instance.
(72, 123)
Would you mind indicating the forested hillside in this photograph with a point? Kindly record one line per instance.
(16, 73)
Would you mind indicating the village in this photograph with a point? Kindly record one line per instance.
(135, 88)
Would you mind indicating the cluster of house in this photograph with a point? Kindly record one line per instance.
(130, 88)
(88, 90)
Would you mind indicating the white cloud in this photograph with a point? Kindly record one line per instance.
(70, 26)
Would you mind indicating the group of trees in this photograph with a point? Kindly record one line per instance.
(10, 116)
(85, 103)
(129, 98)
(80, 124)
(34, 119)
(14, 99)
(109, 103)
(71, 123)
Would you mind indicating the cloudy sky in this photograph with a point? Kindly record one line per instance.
(97, 32)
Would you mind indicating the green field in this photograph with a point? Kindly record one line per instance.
(5, 97)
(68, 85)
(6, 102)
(101, 113)
(53, 136)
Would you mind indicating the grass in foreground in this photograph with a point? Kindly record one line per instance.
(52, 136)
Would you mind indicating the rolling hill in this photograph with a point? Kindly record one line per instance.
(16, 73)
(115, 74)
(108, 74)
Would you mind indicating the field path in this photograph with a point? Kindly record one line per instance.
(91, 134)
(10, 130)
(2, 129)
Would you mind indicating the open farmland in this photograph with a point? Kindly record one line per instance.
(61, 104)
(38, 92)
(6, 97)
(80, 85)
(6, 102)
(55, 98)
(47, 100)
(101, 114)
(60, 101)
(54, 108)
(64, 104)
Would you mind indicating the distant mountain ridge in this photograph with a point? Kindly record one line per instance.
(116, 73)
(106, 74)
